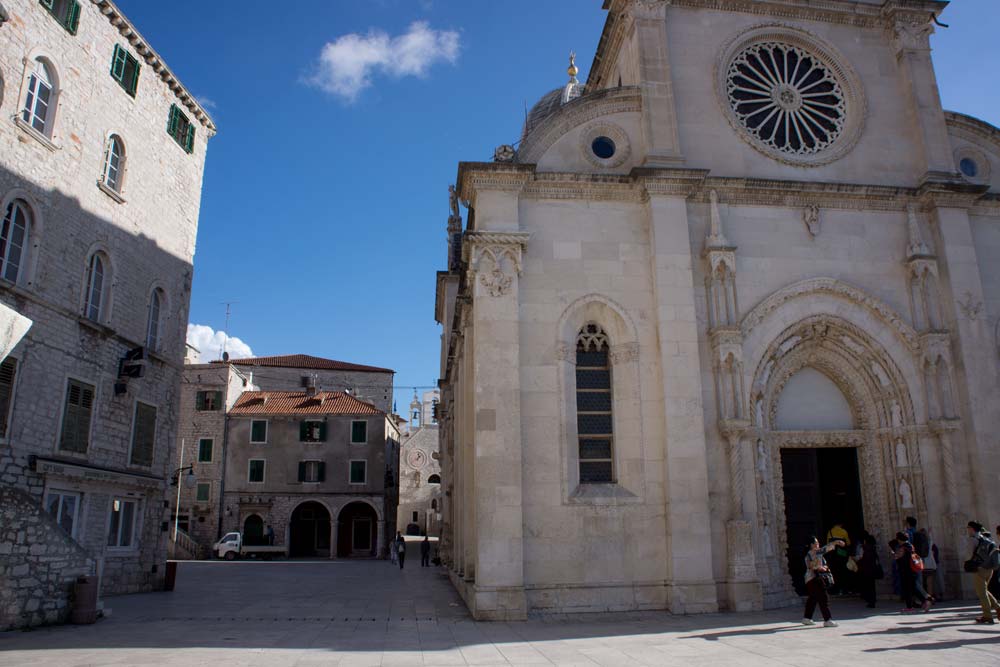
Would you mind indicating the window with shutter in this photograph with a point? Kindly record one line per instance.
(8, 372)
(359, 432)
(75, 436)
(258, 431)
(256, 471)
(205, 450)
(358, 472)
(180, 128)
(66, 12)
(208, 400)
(204, 492)
(125, 69)
(302, 471)
(312, 430)
(143, 435)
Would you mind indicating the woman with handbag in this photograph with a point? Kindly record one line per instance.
(818, 580)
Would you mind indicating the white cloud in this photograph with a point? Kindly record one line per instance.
(206, 102)
(346, 65)
(209, 343)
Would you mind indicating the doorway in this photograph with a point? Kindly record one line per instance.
(822, 487)
(357, 533)
(310, 531)
(253, 531)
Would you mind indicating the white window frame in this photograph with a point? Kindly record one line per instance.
(267, 431)
(362, 421)
(114, 145)
(350, 464)
(27, 213)
(263, 477)
(131, 436)
(307, 462)
(76, 511)
(39, 64)
(209, 485)
(136, 514)
(154, 324)
(197, 456)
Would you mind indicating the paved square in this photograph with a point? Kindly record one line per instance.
(345, 613)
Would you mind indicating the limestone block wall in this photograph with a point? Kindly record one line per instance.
(38, 563)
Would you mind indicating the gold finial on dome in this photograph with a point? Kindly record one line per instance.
(572, 69)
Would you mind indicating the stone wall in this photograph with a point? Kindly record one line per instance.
(38, 563)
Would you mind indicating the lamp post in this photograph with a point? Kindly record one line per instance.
(189, 481)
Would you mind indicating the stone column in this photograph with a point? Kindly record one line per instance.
(333, 538)
(691, 585)
(494, 259)
(742, 582)
(659, 115)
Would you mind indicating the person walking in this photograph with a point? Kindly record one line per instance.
(425, 552)
(906, 561)
(979, 566)
(838, 559)
(926, 549)
(869, 568)
(994, 585)
(270, 535)
(818, 579)
(400, 549)
(393, 559)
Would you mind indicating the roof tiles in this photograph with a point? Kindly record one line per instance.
(301, 403)
(304, 361)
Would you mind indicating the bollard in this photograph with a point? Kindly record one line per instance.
(171, 575)
(84, 601)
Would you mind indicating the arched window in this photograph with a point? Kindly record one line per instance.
(39, 102)
(114, 163)
(434, 479)
(14, 240)
(153, 326)
(97, 280)
(593, 405)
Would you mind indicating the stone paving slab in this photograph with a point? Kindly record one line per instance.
(347, 613)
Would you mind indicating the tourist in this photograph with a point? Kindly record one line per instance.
(838, 559)
(926, 549)
(818, 580)
(994, 586)
(400, 549)
(869, 568)
(392, 550)
(910, 587)
(270, 535)
(425, 552)
(982, 547)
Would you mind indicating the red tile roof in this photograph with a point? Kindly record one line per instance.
(300, 403)
(305, 361)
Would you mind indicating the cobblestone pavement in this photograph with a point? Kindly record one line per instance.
(307, 613)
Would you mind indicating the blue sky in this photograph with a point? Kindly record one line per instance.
(325, 203)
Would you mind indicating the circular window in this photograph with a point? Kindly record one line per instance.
(603, 147)
(968, 167)
(786, 97)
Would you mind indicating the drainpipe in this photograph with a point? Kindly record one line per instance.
(222, 477)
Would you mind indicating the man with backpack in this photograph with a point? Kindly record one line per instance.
(984, 562)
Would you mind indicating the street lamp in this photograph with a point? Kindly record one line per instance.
(189, 479)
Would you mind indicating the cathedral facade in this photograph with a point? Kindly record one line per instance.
(739, 285)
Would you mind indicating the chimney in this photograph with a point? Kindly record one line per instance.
(311, 387)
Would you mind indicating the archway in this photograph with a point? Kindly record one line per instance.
(309, 531)
(253, 530)
(830, 409)
(357, 531)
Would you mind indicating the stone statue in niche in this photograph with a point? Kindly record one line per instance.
(761, 456)
(811, 217)
(879, 372)
(902, 461)
(897, 415)
(905, 494)
(759, 411)
(768, 546)
(453, 201)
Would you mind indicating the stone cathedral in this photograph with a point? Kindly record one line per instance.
(740, 284)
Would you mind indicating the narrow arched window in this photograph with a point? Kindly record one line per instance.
(114, 163)
(40, 99)
(14, 240)
(153, 326)
(95, 288)
(593, 406)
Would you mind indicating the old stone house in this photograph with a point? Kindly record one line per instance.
(740, 284)
(320, 468)
(208, 394)
(102, 152)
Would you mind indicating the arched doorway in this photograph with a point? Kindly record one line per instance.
(829, 410)
(357, 532)
(253, 530)
(309, 531)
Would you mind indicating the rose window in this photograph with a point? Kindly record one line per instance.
(786, 97)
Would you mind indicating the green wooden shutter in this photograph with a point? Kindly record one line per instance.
(199, 400)
(303, 431)
(302, 471)
(322, 431)
(322, 471)
(218, 400)
(118, 63)
(46, 3)
(73, 17)
(133, 85)
(189, 138)
(8, 371)
(172, 119)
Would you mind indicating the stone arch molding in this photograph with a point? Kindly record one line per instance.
(600, 309)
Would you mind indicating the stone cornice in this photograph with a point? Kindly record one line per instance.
(949, 190)
(599, 187)
(153, 59)
(972, 128)
(506, 176)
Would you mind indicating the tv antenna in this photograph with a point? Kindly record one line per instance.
(225, 331)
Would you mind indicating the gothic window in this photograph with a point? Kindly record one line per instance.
(14, 240)
(98, 280)
(153, 326)
(593, 405)
(114, 163)
(39, 102)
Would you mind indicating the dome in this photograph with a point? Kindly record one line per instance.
(549, 104)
